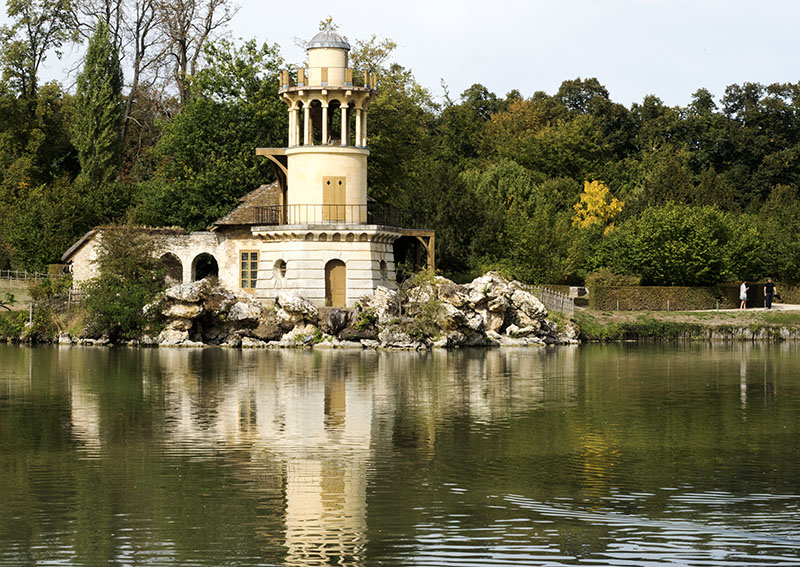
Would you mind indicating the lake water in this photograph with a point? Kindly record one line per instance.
(592, 455)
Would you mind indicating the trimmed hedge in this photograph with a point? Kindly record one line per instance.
(661, 298)
(655, 298)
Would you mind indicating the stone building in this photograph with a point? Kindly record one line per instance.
(312, 231)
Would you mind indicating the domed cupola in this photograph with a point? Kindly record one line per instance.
(328, 38)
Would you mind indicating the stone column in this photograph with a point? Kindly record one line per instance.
(364, 129)
(187, 269)
(291, 127)
(345, 129)
(307, 126)
(357, 141)
(324, 124)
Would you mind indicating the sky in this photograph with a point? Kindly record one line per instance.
(667, 48)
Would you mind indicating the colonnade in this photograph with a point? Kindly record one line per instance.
(360, 113)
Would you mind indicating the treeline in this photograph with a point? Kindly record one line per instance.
(545, 188)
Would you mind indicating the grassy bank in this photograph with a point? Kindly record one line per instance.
(687, 325)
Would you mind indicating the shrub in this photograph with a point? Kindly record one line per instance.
(12, 324)
(130, 277)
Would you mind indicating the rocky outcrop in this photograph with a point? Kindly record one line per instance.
(489, 311)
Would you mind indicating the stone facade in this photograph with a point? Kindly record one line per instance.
(366, 251)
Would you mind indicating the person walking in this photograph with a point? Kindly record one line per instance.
(743, 289)
(769, 292)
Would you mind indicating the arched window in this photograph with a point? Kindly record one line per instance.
(204, 266)
(173, 269)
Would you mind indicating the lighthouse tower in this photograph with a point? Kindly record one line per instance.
(322, 241)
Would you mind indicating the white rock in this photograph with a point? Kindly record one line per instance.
(183, 310)
(292, 303)
(250, 342)
(180, 324)
(528, 303)
(189, 292)
(245, 311)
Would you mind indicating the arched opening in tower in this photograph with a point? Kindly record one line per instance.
(315, 110)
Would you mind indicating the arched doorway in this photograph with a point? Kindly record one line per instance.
(173, 269)
(203, 266)
(335, 284)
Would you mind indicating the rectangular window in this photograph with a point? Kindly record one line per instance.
(248, 264)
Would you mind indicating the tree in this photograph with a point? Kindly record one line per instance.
(671, 245)
(134, 28)
(401, 119)
(206, 156)
(99, 108)
(187, 26)
(131, 275)
(596, 206)
(38, 27)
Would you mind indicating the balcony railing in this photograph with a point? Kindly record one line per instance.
(335, 214)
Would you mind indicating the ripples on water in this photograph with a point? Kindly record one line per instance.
(598, 455)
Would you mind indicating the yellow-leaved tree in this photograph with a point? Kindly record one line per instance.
(596, 206)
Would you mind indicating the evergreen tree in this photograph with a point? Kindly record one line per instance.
(99, 112)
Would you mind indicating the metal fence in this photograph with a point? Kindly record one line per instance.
(554, 300)
(337, 214)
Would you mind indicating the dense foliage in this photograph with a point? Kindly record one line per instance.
(546, 187)
(131, 275)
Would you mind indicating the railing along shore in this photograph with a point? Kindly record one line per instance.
(554, 300)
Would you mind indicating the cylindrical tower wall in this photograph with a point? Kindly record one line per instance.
(309, 167)
(333, 60)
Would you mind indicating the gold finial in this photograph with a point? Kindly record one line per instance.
(329, 20)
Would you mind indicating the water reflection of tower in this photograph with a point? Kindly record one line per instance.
(324, 437)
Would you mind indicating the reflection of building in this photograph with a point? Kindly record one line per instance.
(310, 427)
(311, 231)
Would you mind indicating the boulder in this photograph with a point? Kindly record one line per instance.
(528, 304)
(383, 303)
(292, 310)
(172, 337)
(301, 335)
(486, 287)
(268, 328)
(452, 317)
(180, 324)
(394, 337)
(249, 342)
(242, 311)
(189, 292)
(182, 310)
(490, 320)
(292, 303)
(353, 334)
(451, 293)
(335, 320)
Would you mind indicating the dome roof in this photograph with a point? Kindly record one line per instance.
(328, 38)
